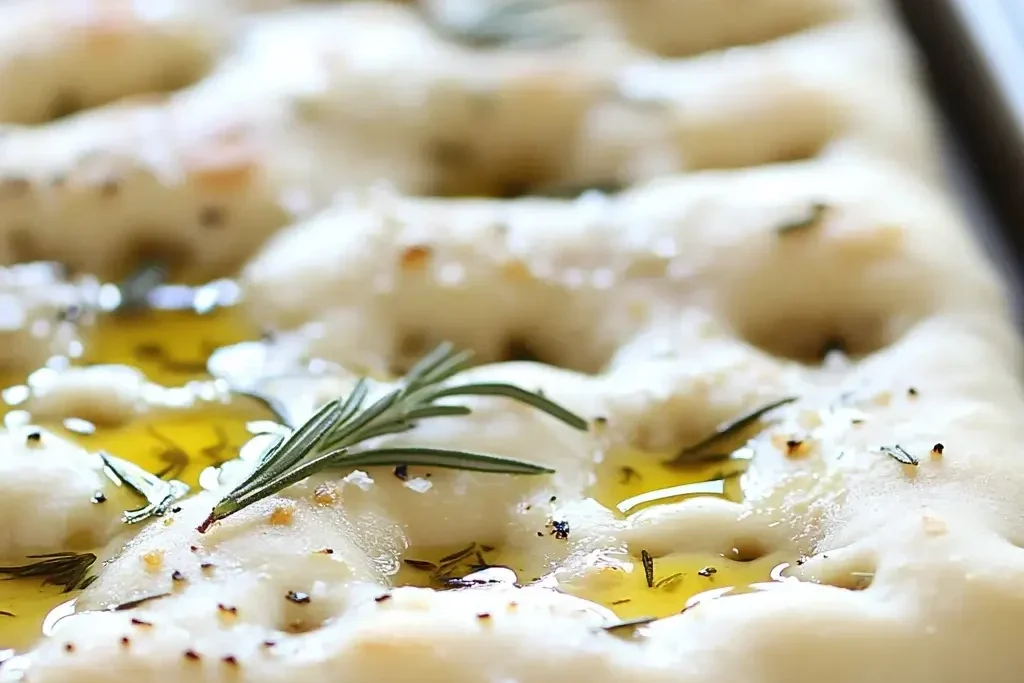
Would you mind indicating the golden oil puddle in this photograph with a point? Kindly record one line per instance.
(171, 347)
(630, 480)
(631, 587)
(30, 604)
(460, 566)
(658, 587)
(638, 587)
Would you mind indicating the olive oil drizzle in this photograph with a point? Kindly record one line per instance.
(177, 446)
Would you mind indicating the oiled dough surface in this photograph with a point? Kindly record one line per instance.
(671, 307)
(283, 108)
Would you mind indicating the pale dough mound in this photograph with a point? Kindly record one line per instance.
(657, 312)
(292, 105)
(49, 489)
(670, 341)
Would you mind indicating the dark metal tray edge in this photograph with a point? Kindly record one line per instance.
(974, 54)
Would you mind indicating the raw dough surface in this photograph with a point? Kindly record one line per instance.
(667, 309)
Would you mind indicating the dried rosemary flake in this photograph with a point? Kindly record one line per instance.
(56, 569)
(132, 604)
(702, 450)
(298, 598)
(900, 455)
(629, 623)
(160, 495)
(459, 554)
(422, 565)
(628, 474)
(648, 563)
(813, 217)
(669, 581)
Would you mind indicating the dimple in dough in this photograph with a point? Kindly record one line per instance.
(941, 539)
(286, 107)
(672, 306)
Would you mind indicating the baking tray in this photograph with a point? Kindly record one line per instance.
(974, 54)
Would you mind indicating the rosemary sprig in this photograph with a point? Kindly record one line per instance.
(701, 451)
(327, 439)
(159, 494)
(56, 569)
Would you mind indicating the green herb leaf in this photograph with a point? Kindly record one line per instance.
(326, 441)
(814, 215)
(132, 604)
(629, 623)
(136, 288)
(900, 455)
(276, 407)
(712, 447)
(56, 569)
(648, 562)
(160, 494)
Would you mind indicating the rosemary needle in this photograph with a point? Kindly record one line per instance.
(137, 287)
(56, 569)
(702, 450)
(326, 440)
(160, 495)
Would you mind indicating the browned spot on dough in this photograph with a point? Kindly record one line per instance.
(224, 162)
(416, 258)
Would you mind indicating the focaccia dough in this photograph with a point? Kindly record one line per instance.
(658, 313)
(681, 300)
(315, 98)
(50, 489)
